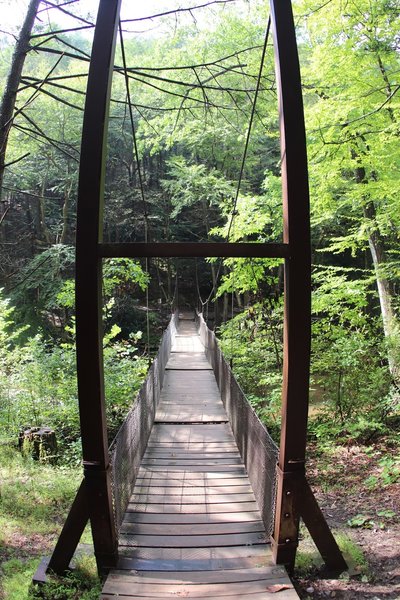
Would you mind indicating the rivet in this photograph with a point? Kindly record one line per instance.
(287, 515)
(287, 540)
(288, 493)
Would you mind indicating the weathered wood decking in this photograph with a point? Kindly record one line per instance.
(192, 528)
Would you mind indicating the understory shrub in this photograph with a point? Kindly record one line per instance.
(38, 385)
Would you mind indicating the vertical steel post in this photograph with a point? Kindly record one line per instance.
(297, 318)
(89, 338)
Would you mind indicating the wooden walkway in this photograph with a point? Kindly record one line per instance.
(192, 528)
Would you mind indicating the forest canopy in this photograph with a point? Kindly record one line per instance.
(193, 155)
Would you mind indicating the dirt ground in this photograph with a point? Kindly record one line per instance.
(368, 515)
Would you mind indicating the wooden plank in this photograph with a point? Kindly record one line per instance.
(191, 541)
(189, 469)
(192, 462)
(204, 498)
(179, 418)
(192, 487)
(257, 556)
(191, 397)
(205, 590)
(283, 595)
(195, 404)
(191, 528)
(193, 446)
(181, 378)
(191, 476)
(192, 508)
(179, 490)
(187, 344)
(188, 361)
(190, 415)
(193, 577)
(194, 433)
(162, 453)
(191, 402)
(181, 519)
(190, 556)
(188, 481)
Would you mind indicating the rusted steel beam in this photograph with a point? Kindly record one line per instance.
(193, 249)
(297, 311)
(89, 336)
(319, 530)
(298, 501)
(71, 533)
(294, 496)
(287, 517)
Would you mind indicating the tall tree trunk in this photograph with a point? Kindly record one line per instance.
(10, 92)
(65, 214)
(385, 292)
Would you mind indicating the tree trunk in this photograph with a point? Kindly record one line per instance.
(65, 214)
(377, 249)
(44, 235)
(389, 319)
(10, 92)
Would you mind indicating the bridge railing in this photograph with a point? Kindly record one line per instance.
(129, 444)
(257, 449)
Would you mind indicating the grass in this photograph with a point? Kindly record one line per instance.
(16, 577)
(309, 561)
(308, 558)
(82, 584)
(353, 554)
(34, 501)
(34, 497)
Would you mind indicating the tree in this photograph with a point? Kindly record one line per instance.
(7, 103)
(350, 80)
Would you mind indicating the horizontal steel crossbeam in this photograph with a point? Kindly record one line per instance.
(194, 250)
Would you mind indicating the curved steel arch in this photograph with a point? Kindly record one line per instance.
(294, 497)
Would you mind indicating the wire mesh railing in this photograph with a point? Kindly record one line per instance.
(130, 443)
(257, 449)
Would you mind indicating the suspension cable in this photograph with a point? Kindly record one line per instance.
(144, 203)
(253, 110)
(234, 208)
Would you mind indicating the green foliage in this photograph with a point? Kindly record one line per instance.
(34, 496)
(388, 472)
(252, 340)
(308, 559)
(39, 387)
(39, 283)
(82, 584)
(120, 273)
(361, 521)
(352, 553)
(16, 577)
(34, 501)
(192, 184)
(379, 520)
(348, 359)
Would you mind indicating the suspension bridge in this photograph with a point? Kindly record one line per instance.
(193, 499)
(190, 522)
